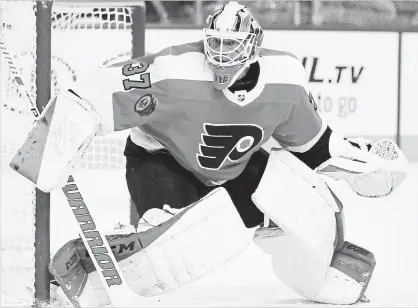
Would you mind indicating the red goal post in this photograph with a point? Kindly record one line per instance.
(53, 44)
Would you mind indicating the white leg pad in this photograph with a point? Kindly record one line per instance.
(193, 243)
(204, 238)
(298, 201)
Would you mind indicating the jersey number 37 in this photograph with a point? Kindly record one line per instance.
(139, 78)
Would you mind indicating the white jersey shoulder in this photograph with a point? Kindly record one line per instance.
(186, 61)
(283, 68)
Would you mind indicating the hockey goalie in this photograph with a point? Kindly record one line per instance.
(199, 114)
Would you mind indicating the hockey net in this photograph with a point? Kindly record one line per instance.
(84, 37)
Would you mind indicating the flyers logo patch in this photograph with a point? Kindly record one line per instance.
(221, 142)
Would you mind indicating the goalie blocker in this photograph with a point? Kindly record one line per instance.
(58, 139)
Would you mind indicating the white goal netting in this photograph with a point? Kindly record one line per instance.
(83, 38)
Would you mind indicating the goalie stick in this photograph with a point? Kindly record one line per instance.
(94, 240)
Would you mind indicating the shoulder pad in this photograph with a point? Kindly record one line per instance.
(285, 67)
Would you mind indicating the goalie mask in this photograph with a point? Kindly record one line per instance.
(231, 42)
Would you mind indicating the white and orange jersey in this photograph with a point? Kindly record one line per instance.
(169, 101)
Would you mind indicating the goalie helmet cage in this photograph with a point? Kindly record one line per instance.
(53, 44)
